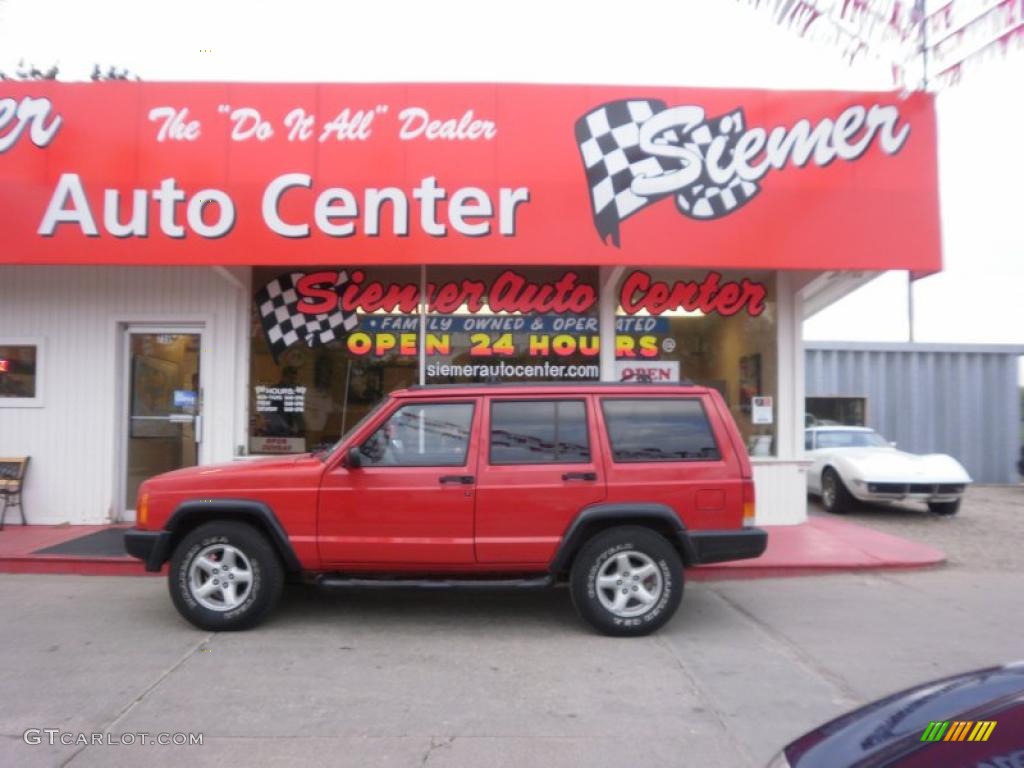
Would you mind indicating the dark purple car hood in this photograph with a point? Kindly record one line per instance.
(888, 732)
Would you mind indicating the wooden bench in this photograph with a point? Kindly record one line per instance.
(12, 480)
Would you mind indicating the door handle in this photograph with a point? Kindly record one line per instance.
(588, 476)
(456, 479)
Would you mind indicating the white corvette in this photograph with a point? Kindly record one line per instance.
(854, 464)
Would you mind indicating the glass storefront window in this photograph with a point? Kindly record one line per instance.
(311, 379)
(330, 343)
(309, 385)
(716, 329)
(529, 324)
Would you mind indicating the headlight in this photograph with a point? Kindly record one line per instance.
(779, 761)
(142, 513)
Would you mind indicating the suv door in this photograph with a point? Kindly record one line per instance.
(673, 450)
(537, 468)
(411, 500)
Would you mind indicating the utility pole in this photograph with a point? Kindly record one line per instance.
(910, 305)
(919, 9)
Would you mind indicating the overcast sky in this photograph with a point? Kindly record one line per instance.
(686, 42)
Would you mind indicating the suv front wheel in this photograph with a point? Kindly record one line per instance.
(627, 581)
(224, 576)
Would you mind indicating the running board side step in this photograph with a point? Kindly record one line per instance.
(345, 582)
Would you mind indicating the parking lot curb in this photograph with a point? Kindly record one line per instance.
(822, 545)
(825, 545)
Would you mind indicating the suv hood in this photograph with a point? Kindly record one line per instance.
(228, 468)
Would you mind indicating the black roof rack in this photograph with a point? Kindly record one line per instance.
(683, 383)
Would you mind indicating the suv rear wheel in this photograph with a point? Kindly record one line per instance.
(225, 576)
(627, 581)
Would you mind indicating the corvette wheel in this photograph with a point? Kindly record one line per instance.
(834, 496)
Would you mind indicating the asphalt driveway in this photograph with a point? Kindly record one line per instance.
(984, 536)
(504, 679)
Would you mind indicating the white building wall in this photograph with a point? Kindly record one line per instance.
(75, 436)
(780, 483)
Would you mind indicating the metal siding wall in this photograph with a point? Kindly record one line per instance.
(964, 403)
(74, 437)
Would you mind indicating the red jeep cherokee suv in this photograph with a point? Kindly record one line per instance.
(612, 487)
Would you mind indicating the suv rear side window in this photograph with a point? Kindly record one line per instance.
(539, 432)
(659, 429)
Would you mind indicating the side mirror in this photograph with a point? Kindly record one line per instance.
(353, 459)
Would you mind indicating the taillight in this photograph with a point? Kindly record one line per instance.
(142, 513)
(749, 507)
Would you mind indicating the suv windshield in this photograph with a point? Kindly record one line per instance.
(849, 438)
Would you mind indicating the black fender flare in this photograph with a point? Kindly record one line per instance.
(243, 510)
(601, 515)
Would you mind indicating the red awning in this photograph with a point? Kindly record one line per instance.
(167, 173)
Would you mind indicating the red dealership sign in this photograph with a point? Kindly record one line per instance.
(319, 307)
(163, 173)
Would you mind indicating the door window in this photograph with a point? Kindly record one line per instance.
(539, 432)
(163, 406)
(421, 435)
(659, 429)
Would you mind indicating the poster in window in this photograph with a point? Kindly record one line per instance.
(750, 380)
(762, 410)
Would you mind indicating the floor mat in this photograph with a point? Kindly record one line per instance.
(106, 543)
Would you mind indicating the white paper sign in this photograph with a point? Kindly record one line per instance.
(277, 444)
(761, 410)
(652, 371)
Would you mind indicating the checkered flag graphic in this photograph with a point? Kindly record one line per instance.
(609, 142)
(285, 324)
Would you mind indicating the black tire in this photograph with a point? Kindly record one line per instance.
(596, 555)
(944, 507)
(840, 500)
(265, 575)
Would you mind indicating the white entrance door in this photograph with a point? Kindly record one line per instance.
(163, 404)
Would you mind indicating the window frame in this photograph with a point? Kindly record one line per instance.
(865, 404)
(39, 342)
(810, 436)
(472, 403)
(582, 399)
(699, 399)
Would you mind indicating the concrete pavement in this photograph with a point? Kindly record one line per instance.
(413, 679)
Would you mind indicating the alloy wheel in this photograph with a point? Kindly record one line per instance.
(828, 491)
(220, 577)
(629, 584)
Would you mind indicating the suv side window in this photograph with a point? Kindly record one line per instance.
(808, 440)
(539, 432)
(659, 429)
(421, 435)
